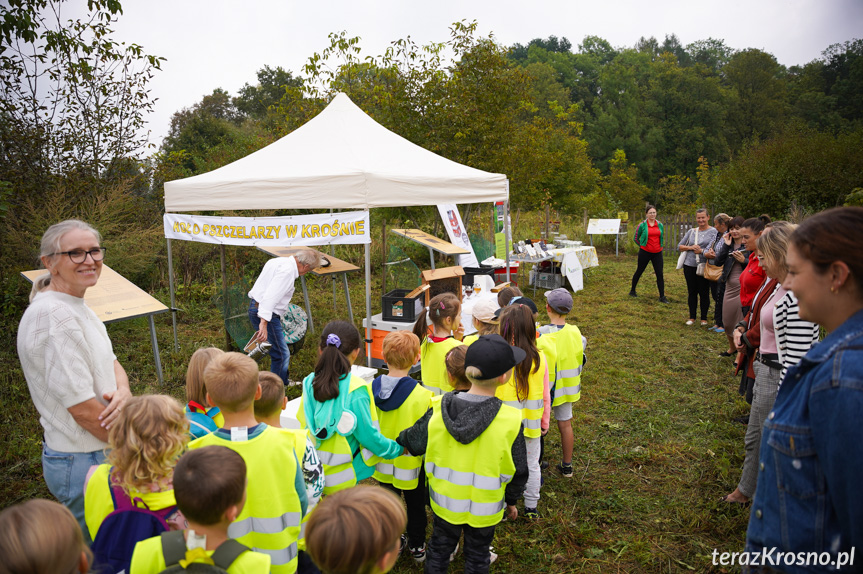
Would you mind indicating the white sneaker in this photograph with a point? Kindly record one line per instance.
(492, 556)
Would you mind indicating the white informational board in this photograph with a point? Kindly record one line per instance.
(572, 269)
(457, 233)
(603, 227)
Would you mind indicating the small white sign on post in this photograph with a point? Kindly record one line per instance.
(573, 271)
(605, 227)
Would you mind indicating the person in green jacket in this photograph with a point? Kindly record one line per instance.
(649, 236)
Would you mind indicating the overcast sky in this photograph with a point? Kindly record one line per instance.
(222, 43)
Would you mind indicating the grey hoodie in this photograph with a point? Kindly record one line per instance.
(466, 417)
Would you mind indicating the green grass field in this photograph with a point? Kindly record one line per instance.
(655, 446)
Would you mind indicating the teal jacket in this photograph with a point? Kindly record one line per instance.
(322, 420)
(640, 236)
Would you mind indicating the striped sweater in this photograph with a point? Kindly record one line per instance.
(794, 336)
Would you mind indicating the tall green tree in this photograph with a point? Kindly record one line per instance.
(760, 103)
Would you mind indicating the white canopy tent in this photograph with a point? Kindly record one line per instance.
(341, 159)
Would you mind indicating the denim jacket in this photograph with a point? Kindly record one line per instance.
(809, 496)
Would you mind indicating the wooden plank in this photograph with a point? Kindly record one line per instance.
(430, 241)
(114, 297)
(336, 265)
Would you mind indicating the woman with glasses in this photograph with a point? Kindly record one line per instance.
(75, 380)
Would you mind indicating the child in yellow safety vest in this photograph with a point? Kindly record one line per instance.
(528, 390)
(337, 410)
(445, 332)
(401, 401)
(563, 346)
(475, 457)
(268, 410)
(276, 498)
(210, 486)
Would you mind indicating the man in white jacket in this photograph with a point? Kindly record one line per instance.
(270, 296)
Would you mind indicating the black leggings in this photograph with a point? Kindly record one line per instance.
(645, 257)
(415, 501)
(699, 288)
(717, 289)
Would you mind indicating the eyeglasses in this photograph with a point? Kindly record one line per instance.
(80, 255)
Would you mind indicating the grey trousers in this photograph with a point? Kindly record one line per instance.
(766, 386)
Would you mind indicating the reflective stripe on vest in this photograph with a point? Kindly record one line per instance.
(569, 373)
(532, 424)
(461, 506)
(514, 404)
(264, 525)
(280, 557)
(344, 479)
(467, 478)
(404, 474)
(534, 404)
(333, 459)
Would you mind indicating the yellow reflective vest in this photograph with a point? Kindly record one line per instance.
(564, 349)
(532, 405)
(335, 452)
(433, 364)
(270, 520)
(402, 472)
(467, 482)
(99, 503)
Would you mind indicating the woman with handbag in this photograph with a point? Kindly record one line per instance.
(648, 236)
(693, 246)
(713, 271)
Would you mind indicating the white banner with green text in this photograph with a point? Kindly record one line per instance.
(344, 228)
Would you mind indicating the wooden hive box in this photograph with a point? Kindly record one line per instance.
(444, 280)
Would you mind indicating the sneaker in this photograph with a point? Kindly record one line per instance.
(418, 554)
(531, 512)
(454, 552)
(543, 465)
(690, 322)
(565, 470)
(663, 299)
(403, 543)
(633, 294)
(492, 555)
(719, 330)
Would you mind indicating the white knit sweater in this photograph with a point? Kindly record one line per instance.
(67, 358)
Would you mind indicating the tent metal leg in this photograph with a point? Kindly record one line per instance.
(431, 255)
(173, 303)
(308, 308)
(369, 305)
(347, 296)
(225, 296)
(506, 233)
(155, 343)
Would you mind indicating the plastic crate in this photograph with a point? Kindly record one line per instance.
(396, 307)
(471, 272)
(549, 280)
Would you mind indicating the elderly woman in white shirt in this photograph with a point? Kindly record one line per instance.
(74, 378)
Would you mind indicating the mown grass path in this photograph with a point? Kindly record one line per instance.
(655, 443)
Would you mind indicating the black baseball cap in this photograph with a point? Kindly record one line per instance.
(493, 356)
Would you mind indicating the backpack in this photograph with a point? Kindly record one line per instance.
(174, 550)
(129, 523)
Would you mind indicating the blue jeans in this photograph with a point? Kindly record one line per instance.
(65, 473)
(280, 356)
